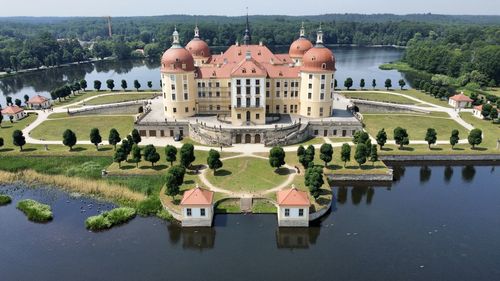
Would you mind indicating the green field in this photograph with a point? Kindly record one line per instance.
(247, 174)
(491, 131)
(416, 125)
(377, 96)
(53, 129)
(118, 98)
(8, 128)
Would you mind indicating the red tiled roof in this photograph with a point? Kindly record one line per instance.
(11, 110)
(37, 100)
(197, 196)
(461, 97)
(479, 107)
(293, 197)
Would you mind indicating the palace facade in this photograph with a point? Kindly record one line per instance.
(248, 81)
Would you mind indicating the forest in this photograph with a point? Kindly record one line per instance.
(451, 45)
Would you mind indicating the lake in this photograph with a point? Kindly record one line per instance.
(431, 223)
(354, 62)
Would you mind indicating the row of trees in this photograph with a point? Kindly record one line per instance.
(348, 83)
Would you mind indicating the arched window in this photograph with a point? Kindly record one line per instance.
(323, 66)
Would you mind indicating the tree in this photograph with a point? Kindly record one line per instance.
(373, 154)
(362, 84)
(178, 172)
(487, 108)
(171, 154)
(308, 157)
(150, 84)
(187, 155)
(360, 154)
(151, 155)
(95, 137)
(401, 137)
(18, 139)
(374, 83)
(335, 84)
(402, 83)
(1, 118)
(1, 142)
(301, 150)
(69, 139)
(127, 146)
(8, 100)
(277, 157)
(348, 83)
(124, 85)
(360, 137)
(475, 137)
(314, 180)
(388, 84)
(137, 85)
(18, 102)
(326, 153)
(26, 99)
(136, 155)
(11, 118)
(97, 85)
(172, 187)
(431, 136)
(213, 160)
(119, 156)
(345, 153)
(381, 138)
(83, 84)
(114, 137)
(136, 137)
(454, 138)
(494, 114)
(110, 83)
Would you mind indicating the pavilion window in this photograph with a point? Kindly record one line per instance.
(202, 212)
(189, 212)
(287, 212)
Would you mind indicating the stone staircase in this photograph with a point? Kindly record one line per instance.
(246, 204)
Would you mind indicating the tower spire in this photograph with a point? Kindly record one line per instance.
(175, 37)
(247, 39)
(319, 39)
(302, 31)
(196, 31)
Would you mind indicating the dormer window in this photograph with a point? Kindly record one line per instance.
(244, 70)
(313, 58)
(183, 66)
(323, 66)
(177, 60)
(253, 70)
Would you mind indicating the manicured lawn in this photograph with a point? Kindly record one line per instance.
(377, 96)
(425, 97)
(247, 174)
(78, 97)
(416, 125)
(442, 149)
(228, 206)
(491, 132)
(119, 98)
(193, 142)
(311, 141)
(81, 126)
(261, 206)
(8, 128)
(341, 139)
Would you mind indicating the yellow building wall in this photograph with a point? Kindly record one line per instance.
(311, 103)
(182, 106)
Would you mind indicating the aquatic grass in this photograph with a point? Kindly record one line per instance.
(5, 200)
(109, 219)
(149, 207)
(35, 211)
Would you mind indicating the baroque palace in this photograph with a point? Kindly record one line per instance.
(247, 94)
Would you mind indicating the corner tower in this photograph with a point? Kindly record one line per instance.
(178, 81)
(299, 47)
(198, 48)
(317, 75)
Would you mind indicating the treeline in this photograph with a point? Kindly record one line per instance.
(471, 57)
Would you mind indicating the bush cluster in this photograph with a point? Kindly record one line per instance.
(4, 200)
(35, 211)
(109, 219)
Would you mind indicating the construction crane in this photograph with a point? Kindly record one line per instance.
(110, 32)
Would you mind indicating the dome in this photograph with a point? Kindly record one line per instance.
(177, 59)
(318, 59)
(299, 47)
(198, 48)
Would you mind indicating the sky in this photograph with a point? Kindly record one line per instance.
(235, 8)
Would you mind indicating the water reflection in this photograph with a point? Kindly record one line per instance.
(468, 173)
(196, 238)
(398, 172)
(357, 194)
(448, 173)
(425, 174)
(296, 238)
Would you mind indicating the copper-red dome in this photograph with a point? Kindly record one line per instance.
(177, 59)
(299, 47)
(198, 48)
(318, 59)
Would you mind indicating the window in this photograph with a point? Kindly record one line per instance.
(287, 212)
(189, 212)
(238, 82)
(322, 96)
(310, 76)
(285, 109)
(257, 102)
(322, 86)
(323, 66)
(173, 96)
(285, 94)
(249, 91)
(301, 212)
(278, 84)
(186, 109)
(217, 84)
(186, 96)
(268, 93)
(257, 116)
(310, 86)
(321, 111)
(185, 87)
(238, 90)
(217, 94)
(218, 107)
(239, 116)
(309, 95)
(175, 110)
(286, 84)
(257, 82)
(238, 102)
(323, 77)
(202, 212)
(173, 87)
(277, 109)
(257, 90)
(248, 81)
(268, 84)
(277, 94)
(309, 111)
(248, 102)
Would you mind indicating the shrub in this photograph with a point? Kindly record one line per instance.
(109, 219)
(35, 211)
(149, 207)
(4, 200)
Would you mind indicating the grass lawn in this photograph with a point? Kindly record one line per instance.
(442, 149)
(311, 141)
(78, 97)
(262, 206)
(423, 96)
(247, 174)
(341, 139)
(416, 125)
(377, 96)
(8, 128)
(193, 142)
(228, 206)
(491, 132)
(81, 126)
(119, 98)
